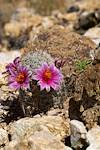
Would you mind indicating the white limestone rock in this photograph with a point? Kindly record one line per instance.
(94, 34)
(40, 140)
(93, 138)
(78, 132)
(44, 140)
(3, 136)
(24, 128)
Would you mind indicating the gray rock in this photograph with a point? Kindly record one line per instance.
(13, 145)
(68, 148)
(92, 147)
(94, 34)
(78, 132)
(93, 137)
(54, 112)
(3, 136)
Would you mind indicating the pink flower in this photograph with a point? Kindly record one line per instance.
(48, 77)
(19, 78)
(12, 67)
(18, 75)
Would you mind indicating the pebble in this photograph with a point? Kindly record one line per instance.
(93, 137)
(78, 132)
(94, 34)
(3, 136)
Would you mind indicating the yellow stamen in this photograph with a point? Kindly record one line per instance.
(47, 75)
(21, 77)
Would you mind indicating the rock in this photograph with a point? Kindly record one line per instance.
(47, 22)
(70, 17)
(68, 148)
(91, 116)
(6, 9)
(63, 44)
(25, 127)
(78, 134)
(3, 112)
(7, 57)
(44, 140)
(94, 34)
(48, 6)
(93, 137)
(3, 137)
(43, 133)
(22, 13)
(93, 147)
(2, 68)
(66, 46)
(91, 98)
(13, 29)
(16, 145)
(54, 112)
(37, 116)
(73, 8)
(18, 28)
(86, 20)
(22, 20)
(40, 140)
(18, 42)
(86, 103)
(89, 5)
(60, 42)
(97, 55)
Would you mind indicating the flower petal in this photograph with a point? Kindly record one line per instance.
(11, 78)
(18, 75)
(55, 79)
(42, 85)
(48, 88)
(14, 85)
(55, 86)
(25, 86)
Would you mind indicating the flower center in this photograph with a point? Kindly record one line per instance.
(47, 75)
(21, 77)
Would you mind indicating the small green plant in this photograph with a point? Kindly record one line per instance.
(82, 64)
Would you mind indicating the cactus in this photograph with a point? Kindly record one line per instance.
(36, 101)
(33, 60)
